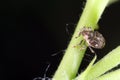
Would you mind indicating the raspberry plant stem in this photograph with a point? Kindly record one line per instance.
(73, 56)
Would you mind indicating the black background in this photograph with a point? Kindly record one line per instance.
(33, 30)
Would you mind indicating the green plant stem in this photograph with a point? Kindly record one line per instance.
(111, 60)
(73, 56)
(114, 75)
(83, 74)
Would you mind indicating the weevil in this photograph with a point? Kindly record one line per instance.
(93, 38)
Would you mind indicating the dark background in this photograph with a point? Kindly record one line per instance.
(33, 30)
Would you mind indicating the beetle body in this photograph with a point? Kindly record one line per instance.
(93, 38)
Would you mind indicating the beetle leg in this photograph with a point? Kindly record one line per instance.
(80, 44)
(91, 49)
(78, 35)
(83, 46)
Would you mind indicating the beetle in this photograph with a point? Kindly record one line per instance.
(93, 38)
